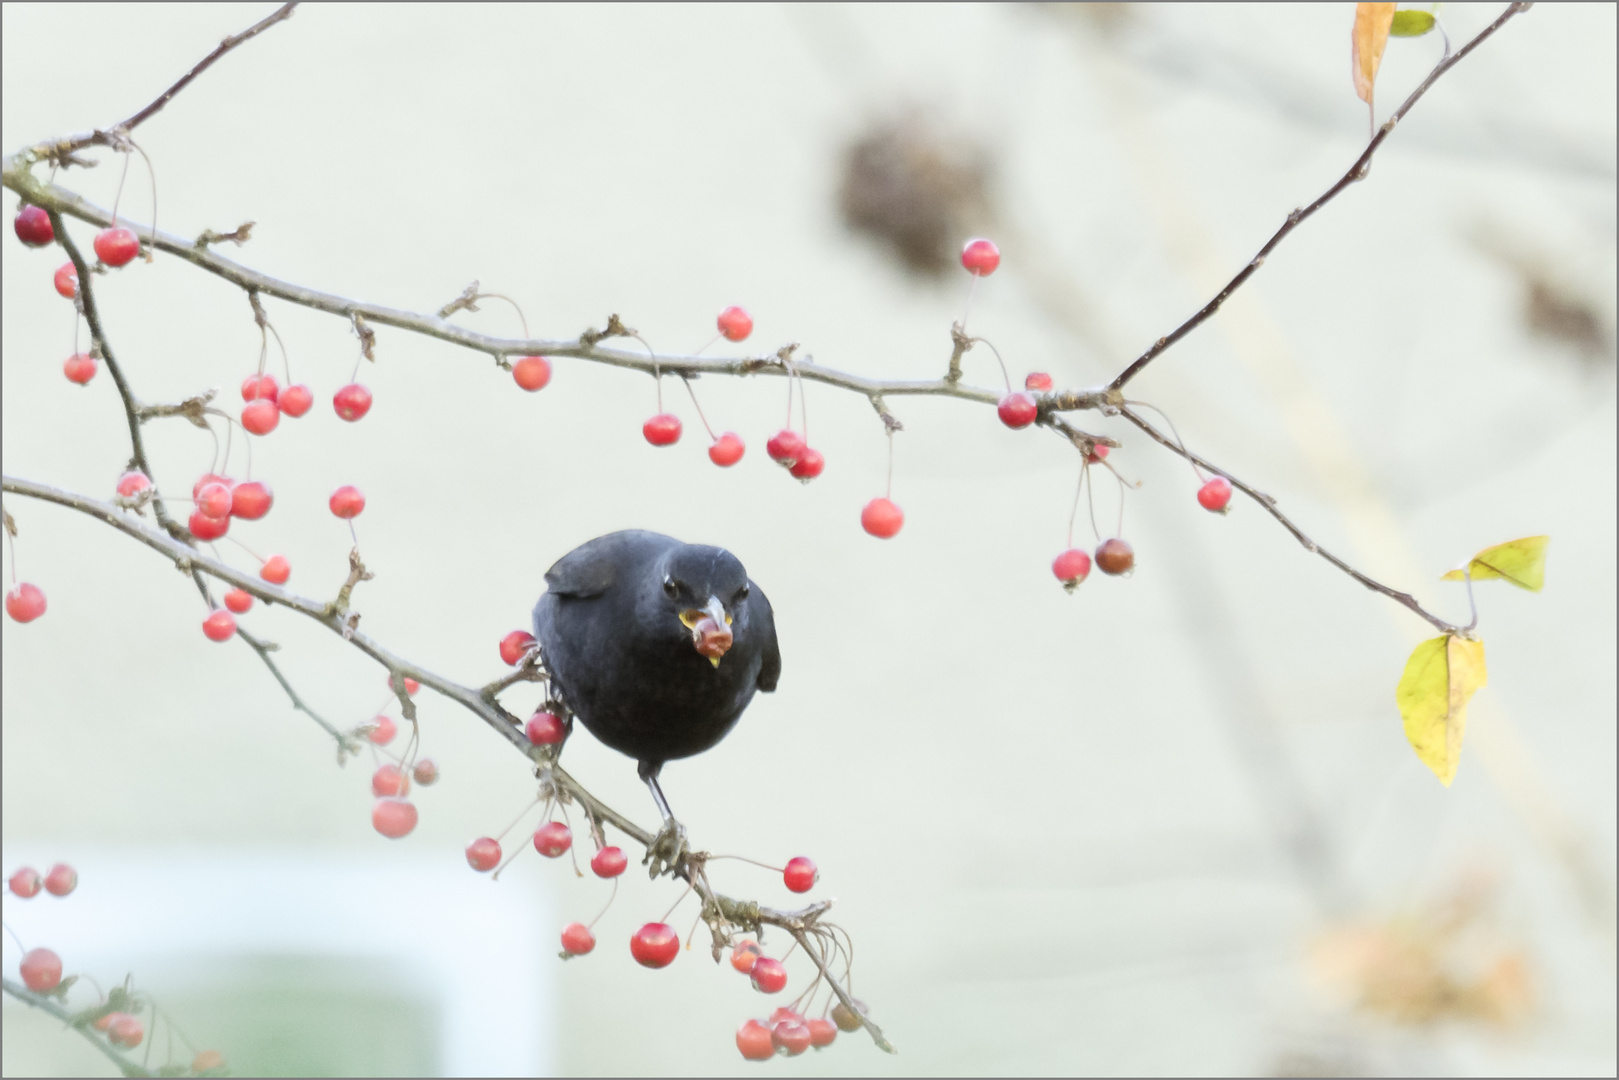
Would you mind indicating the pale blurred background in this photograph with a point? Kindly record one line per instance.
(1167, 825)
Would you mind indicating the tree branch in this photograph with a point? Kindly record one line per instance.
(47, 1003)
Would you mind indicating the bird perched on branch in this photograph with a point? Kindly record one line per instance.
(657, 646)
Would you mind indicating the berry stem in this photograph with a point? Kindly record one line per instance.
(708, 344)
(698, 407)
(1201, 479)
(513, 303)
(998, 360)
(119, 194)
(11, 544)
(232, 538)
(1084, 471)
(676, 904)
(14, 936)
(744, 858)
(151, 175)
(972, 287)
(502, 837)
(888, 490)
(610, 898)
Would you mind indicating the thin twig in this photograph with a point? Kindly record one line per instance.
(47, 1003)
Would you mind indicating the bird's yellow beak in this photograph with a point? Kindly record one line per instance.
(710, 629)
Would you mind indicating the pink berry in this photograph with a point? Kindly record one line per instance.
(295, 400)
(744, 954)
(792, 1037)
(1072, 566)
(784, 1012)
(655, 945)
(66, 280)
(204, 527)
(785, 446)
(125, 1030)
(980, 257)
(393, 817)
(800, 874)
(62, 880)
(1038, 381)
(735, 324)
(483, 854)
(80, 368)
(207, 1061)
(239, 600)
(352, 401)
(881, 518)
(1098, 453)
(532, 372)
(552, 839)
(577, 939)
(382, 730)
(33, 226)
(214, 500)
(411, 686)
(251, 500)
(544, 729)
(1215, 494)
(1017, 410)
(220, 626)
(389, 779)
(754, 1041)
(426, 772)
(727, 450)
(276, 570)
(346, 501)
(41, 970)
(26, 882)
(25, 602)
(115, 247)
(210, 478)
(822, 1032)
(1115, 556)
(769, 976)
(260, 417)
(132, 483)
(609, 862)
(809, 464)
(662, 430)
(515, 645)
(255, 387)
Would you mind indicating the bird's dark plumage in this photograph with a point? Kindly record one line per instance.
(622, 630)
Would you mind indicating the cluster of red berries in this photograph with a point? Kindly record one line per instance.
(393, 815)
(786, 1032)
(61, 880)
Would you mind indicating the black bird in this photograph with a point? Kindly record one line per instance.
(657, 646)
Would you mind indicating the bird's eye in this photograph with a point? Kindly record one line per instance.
(742, 593)
(670, 589)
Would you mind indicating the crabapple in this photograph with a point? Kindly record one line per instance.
(1215, 494)
(881, 518)
(251, 500)
(115, 247)
(1115, 556)
(382, 730)
(755, 1042)
(256, 386)
(609, 862)
(1072, 566)
(800, 874)
(733, 322)
(1097, 453)
(62, 880)
(577, 939)
(34, 227)
(346, 501)
(66, 280)
(655, 945)
(744, 954)
(220, 626)
(41, 970)
(132, 483)
(204, 527)
(544, 729)
(846, 1018)
(125, 1030)
(515, 645)
(552, 839)
(210, 478)
(295, 400)
(25, 602)
(980, 257)
(822, 1032)
(214, 500)
(1037, 381)
(426, 772)
(662, 430)
(207, 1061)
(80, 368)
(393, 817)
(1017, 410)
(532, 372)
(389, 780)
(26, 882)
(791, 1036)
(785, 446)
(483, 854)
(726, 450)
(260, 417)
(411, 686)
(809, 465)
(768, 975)
(276, 570)
(239, 600)
(352, 402)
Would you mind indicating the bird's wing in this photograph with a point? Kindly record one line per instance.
(591, 568)
(770, 670)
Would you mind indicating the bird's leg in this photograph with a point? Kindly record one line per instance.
(668, 849)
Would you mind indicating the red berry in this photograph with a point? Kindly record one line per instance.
(515, 645)
(104, 1021)
(214, 500)
(389, 780)
(1072, 566)
(41, 970)
(25, 602)
(727, 450)
(785, 446)
(483, 854)
(62, 880)
(1038, 381)
(33, 226)
(276, 570)
(980, 257)
(1115, 556)
(26, 882)
(426, 772)
(544, 729)
(609, 862)
(791, 1036)
(346, 501)
(881, 518)
(809, 465)
(577, 939)
(655, 945)
(744, 954)
(411, 686)
(219, 626)
(132, 483)
(115, 247)
(251, 500)
(800, 874)
(393, 817)
(1017, 410)
(80, 368)
(734, 323)
(1098, 452)
(1215, 494)
(352, 401)
(662, 430)
(532, 372)
(822, 1032)
(754, 1040)
(255, 387)
(209, 478)
(295, 400)
(67, 280)
(552, 839)
(784, 1012)
(768, 975)
(125, 1030)
(260, 417)
(382, 730)
(239, 600)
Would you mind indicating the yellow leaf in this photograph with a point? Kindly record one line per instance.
(1440, 677)
(1371, 34)
(1522, 562)
(1412, 23)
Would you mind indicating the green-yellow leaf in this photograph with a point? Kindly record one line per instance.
(1522, 562)
(1440, 678)
(1411, 23)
